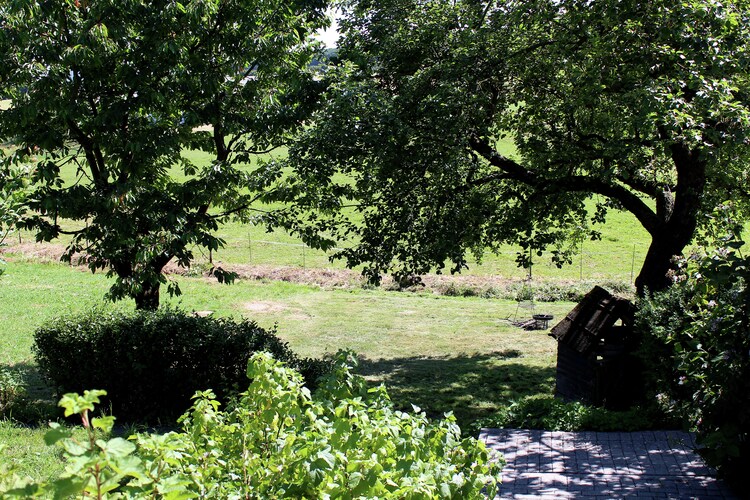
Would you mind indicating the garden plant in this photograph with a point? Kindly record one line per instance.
(698, 344)
(277, 440)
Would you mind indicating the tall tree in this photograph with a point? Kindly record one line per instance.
(642, 106)
(107, 95)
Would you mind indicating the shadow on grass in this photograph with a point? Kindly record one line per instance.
(36, 404)
(471, 386)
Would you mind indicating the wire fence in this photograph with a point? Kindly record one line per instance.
(599, 260)
(590, 262)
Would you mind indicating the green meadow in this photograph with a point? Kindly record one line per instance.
(459, 354)
(438, 351)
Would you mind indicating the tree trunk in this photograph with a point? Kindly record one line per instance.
(654, 274)
(678, 219)
(148, 298)
(146, 293)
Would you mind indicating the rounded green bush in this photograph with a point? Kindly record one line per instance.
(152, 362)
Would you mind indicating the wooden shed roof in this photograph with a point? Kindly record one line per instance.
(592, 319)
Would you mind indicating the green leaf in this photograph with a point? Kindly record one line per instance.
(129, 465)
(76, 404)
(104, 424)
(68, 487)
(56, 433)
(118, 447)
(74, 448)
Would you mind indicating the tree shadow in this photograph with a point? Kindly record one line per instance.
(471, 386)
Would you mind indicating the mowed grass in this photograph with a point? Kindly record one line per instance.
(617, 256)
(25, 451)
(440, 353)
(375, 324)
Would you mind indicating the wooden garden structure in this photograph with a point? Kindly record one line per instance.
(596, 360)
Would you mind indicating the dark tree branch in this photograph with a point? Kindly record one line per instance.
(260, 151)
(640, 185)
(574, 183)
(72, 233)
(485, 11)
(91, 154)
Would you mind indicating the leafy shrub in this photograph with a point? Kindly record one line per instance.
(12, 392)
(276, 442)
(458, 290)
(549, 413)
(698, 334)
(151, 362)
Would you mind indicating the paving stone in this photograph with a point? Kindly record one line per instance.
(658, 464)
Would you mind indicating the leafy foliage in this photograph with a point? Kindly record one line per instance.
(549, 413)
(453, 127)
(276, 441)
(13, 190)
(699, 351)
(12, 392)
(110, 93)
(152, 362)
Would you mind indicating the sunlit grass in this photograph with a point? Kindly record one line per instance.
(441, 353)
(25, 451)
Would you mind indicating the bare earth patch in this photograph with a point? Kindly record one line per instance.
(262, 306)
(325, 278)
(42, 252)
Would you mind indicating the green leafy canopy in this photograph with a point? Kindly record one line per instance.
(106, 95)
(640, 106)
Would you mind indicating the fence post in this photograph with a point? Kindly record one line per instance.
(580, 275)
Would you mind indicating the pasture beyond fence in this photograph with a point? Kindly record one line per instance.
(592, 260)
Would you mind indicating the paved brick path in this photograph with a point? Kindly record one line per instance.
(556, 465)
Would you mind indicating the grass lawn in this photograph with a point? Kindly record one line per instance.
(441, 353)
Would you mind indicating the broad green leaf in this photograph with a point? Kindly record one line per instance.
(118, 447)
(56, 433)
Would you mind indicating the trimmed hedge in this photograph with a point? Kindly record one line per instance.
(152, 362)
